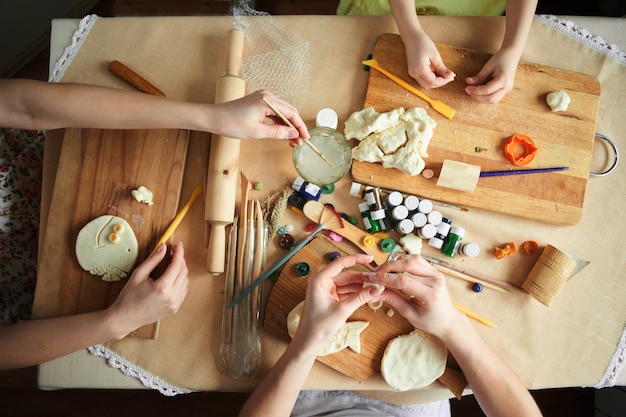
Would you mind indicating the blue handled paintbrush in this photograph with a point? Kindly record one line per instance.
(521, 171)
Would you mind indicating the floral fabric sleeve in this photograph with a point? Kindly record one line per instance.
(21, 156)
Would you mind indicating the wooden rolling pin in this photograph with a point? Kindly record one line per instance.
(223, 170)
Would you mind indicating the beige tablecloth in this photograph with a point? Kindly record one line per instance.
(571, 343)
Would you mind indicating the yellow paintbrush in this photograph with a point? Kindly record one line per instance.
(179, 217)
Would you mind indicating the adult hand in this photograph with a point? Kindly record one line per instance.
(144, 300)
(333, 294)
(426, 304)
(425, 63)
(421, 296)
(246, 118)
(495, 79)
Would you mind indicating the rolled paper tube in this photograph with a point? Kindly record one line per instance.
(549, 274)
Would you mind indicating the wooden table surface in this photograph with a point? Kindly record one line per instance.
(530, 336)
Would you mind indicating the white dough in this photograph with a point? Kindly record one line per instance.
(413, 361)
(386, 120)
(142, 195)
(391, 139)
(399, 140)
(375, 305)
(407, 159)
(359, 124)
(558, 100)
(368, 151)
(419, 128)
(348, 335)
(107, 246)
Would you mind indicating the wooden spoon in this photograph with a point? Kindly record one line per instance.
(315, 211)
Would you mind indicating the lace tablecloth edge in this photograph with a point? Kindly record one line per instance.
(616, 365)
(147, 379)
(71, 51)
(583, 35)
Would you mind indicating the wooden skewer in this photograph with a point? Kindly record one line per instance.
(473, 274)
(229, 293)
(456, 274)
(308, 142)
(242, 234)
(246, 255)
(257, 264)
(258, 244)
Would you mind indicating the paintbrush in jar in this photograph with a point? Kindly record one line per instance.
(306, 141)
(326, 215)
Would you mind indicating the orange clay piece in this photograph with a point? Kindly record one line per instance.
(506, 250)
(511, 146)
(530, 247)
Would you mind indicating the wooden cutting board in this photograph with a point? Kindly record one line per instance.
(97, 171)
(563, 138)
(290, 289)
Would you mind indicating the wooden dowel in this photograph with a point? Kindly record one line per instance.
(456, 274)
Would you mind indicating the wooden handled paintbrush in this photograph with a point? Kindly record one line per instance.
(306, 141)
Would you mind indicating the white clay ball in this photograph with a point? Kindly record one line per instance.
(558, 100)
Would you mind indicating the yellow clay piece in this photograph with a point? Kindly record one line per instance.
(114, 238)
(297, 211)
(380, 235)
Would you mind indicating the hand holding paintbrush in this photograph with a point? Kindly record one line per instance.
(306, 141)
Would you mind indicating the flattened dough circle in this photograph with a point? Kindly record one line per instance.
(413, 361)
(107, 246)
